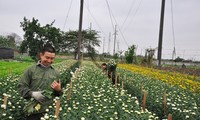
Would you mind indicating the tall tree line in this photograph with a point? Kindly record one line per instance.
(36, 36)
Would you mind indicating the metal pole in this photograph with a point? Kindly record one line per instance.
(80, 29)
(161, 33)
(115, 35)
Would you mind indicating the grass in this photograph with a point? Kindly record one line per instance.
(18, 66)
(10, 67)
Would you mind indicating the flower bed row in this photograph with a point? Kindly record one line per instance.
(181, 103)
(93, 97)
(174, 78)
(15, 103)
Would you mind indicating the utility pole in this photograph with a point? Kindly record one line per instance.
(161, 33)
(80, 28)
(109, 43)
(103, 44)
(90, 32)
(118, 46)
(174, 54)
(115, 35)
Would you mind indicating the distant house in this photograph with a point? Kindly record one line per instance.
(6, 53)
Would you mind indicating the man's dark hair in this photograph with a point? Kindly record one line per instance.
(48, 48)
(103, 64)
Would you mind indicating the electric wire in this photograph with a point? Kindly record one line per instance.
(132, 4)
(111, 15)
(134, 14)
(94, 19)
(67, 15)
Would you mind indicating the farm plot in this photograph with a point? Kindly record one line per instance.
(11, 102)
(91, 96)
(162, 98)
(174, 78)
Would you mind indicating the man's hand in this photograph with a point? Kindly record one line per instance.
(37, 95)
(56, 86)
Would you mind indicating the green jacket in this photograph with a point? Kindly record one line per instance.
(37, 78)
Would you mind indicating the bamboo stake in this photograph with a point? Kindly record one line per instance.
(144, 101)
(165, 101)
(141, 88)
(123, 82)
(169, 117)
(5, 101)
(69, 91)
(57, 108)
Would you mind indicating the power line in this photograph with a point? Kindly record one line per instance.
(134, 14)
(95, 19)
(67, 14)
(133, 2)
(111, 14)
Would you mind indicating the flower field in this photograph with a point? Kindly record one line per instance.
(181, 102)
(93, 97)
(15, 103)
(88, 94)
(174, 78)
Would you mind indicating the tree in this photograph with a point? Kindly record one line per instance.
(178, 59)
(88, 42)
(8, 41)
(36, 36)
(130, 54)
(148, 59)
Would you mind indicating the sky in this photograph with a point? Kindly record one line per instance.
(137, 22)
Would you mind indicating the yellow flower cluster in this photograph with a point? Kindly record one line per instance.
(173, 78)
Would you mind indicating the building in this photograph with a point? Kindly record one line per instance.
(6, 53)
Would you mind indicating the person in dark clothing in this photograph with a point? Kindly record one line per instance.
(104, 68)
(183, 66)
(39, 84)
(111, 67)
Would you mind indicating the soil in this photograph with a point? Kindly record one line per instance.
(190, 71)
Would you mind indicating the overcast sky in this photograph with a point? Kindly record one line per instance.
(137, 20)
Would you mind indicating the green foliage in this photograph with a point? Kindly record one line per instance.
(148, 59)
(116, 56)
(67, 76)
(88, 42)
(178, 59)
(36, 36)
(129, 55)
(8, 41)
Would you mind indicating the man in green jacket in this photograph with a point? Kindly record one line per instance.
(39, 85)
